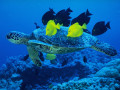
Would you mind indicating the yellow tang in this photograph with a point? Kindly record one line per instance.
(76, 30)
(51, 28)
(50, 56)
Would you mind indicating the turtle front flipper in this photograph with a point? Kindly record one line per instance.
(105, 48)
(34, 55)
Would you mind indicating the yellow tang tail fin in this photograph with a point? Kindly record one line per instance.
(84, 26)
(58, 26)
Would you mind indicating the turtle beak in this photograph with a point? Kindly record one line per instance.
(8, 36)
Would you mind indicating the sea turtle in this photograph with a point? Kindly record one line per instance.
(58, 43)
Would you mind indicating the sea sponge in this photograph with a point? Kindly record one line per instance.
(112, 69)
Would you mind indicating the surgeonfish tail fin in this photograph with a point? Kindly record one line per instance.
(69, 10)
(84, 26)
(88, 13)
(108, 25)
(58, 26)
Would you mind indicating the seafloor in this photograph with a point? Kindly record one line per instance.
(100, 72)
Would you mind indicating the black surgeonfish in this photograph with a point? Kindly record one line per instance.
(62, 17)
(82, 18)
(100, 27)
(49, 15)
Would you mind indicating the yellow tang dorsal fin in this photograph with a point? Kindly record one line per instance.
(50, 21)
(76, 23)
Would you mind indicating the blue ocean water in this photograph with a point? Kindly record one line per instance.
(20, 15)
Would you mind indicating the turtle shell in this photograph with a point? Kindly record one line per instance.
(61, 39)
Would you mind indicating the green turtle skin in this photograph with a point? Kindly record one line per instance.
(34, 55)
(57, 44)
(51, 49)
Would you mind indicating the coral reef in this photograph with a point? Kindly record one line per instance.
(95, 83)
(21, 74)
(25, 74)
(108, 78)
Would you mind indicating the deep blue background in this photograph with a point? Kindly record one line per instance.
(20, 15)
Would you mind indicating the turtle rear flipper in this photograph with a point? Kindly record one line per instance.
(34, 55)
(105, 48)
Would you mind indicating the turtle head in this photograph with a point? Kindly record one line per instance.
(17, 37)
